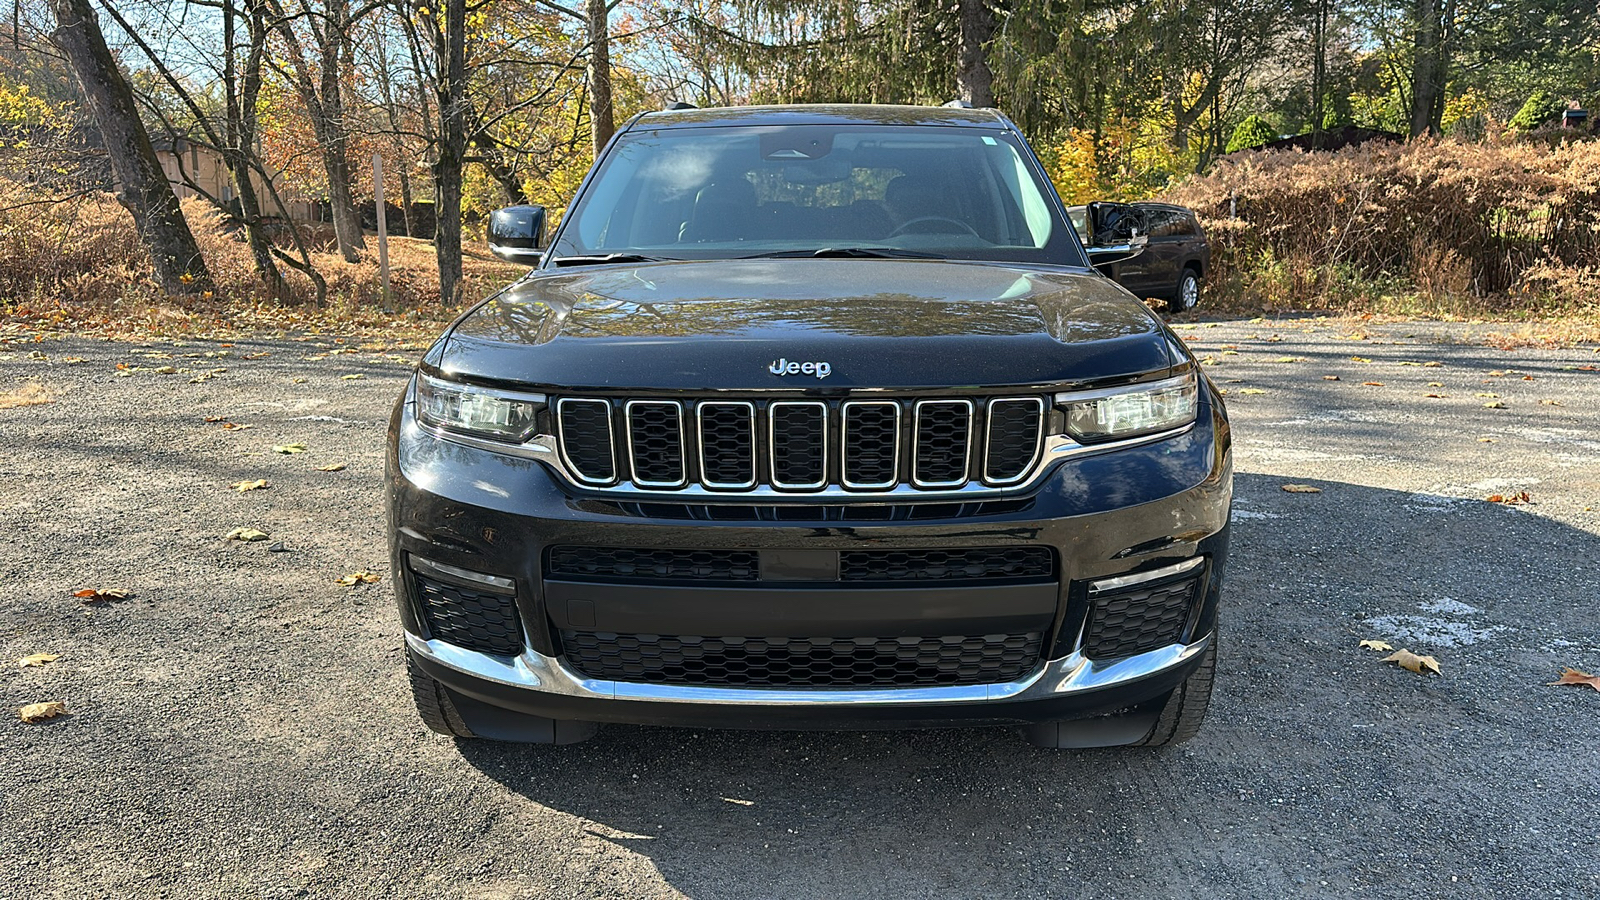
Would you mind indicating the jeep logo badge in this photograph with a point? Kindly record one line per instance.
(785, 367)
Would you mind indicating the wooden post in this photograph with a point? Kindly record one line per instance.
(383, 226)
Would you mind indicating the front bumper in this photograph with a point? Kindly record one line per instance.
(1130, 511)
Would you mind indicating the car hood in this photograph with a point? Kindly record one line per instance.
(877, 323)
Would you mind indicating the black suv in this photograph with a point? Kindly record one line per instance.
(1175, 256)
(810, 417)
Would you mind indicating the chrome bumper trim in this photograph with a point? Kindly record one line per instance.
(1069, 675)
(1124, 581)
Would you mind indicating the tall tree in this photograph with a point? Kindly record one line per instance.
(145, 191)
(321, 83)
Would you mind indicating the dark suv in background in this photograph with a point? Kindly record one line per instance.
(810, 417)
(1175, 258)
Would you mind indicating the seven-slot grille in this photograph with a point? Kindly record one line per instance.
(801, 445)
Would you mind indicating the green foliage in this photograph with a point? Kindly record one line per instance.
(1541, 107)
(1251, 133)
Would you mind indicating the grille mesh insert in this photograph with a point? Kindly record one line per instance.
(655, 430)
(586, 438)
(476, 620)
(943, 565)
(943, 433)
(1013, 439)
(1139, 619)
(799, 454)
(613, 563)
(728, 444)
(871, 444)
(782, 662)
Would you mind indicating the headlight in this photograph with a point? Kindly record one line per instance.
(502, 415)
(1133, 410)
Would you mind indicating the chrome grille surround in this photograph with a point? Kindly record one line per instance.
(995, 418)
(858, 407)
(654, 453)
(570, 418)
(926, 436)
(781, 454)
(716, 408)
(547, 448)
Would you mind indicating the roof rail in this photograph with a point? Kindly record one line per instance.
(679, 104)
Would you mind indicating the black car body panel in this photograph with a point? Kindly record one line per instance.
(1176, 242)
(719, 326)
(1004, 562)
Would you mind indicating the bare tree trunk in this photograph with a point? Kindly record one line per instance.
(602, 121)
(450, 48)
(1428, 68)
(324, 102)
(240, 111)
(974, 80)
(1319, 69)
(144, 187)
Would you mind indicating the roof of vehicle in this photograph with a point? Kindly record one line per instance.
(822, 114)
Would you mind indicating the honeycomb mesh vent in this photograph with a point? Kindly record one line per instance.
(786, 662)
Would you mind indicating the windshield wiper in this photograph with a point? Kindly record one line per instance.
(608, 258)
(846, 253)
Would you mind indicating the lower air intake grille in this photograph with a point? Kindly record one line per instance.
(944, 565)
(476, 620)
(1138, 620)
(625, 564)
(861, 662)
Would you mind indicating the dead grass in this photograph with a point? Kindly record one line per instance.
(31, 394)
(78, 266)
(1438, 230)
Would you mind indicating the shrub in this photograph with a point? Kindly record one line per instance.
(1540, 108)
(1251, 133)
(1435, 219)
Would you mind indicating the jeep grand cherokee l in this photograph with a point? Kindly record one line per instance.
(810, 417)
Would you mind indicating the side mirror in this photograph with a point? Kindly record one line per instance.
(1117, 232)
(1111, 253)
(516, 234)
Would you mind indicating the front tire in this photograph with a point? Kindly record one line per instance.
(434, 705)
(1187, 294)
(1180, 719)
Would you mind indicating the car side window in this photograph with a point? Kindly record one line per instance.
(1166, 223)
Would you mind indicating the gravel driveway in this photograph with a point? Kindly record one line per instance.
(242, 726)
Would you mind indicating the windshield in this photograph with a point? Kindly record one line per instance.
(731, 192)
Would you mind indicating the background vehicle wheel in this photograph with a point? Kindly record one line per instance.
(1180, 719)
(434, 705)
(1187, 295)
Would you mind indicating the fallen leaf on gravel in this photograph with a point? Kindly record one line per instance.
(1376, 645)
(1289, 359)
(30, 394)
(1252, 391)
(1496, 374)
(1510, 499)
(1361, 359)
(1485, 440)
(37, 659)
(256, 355)
(1527, 378)
(1302, 489)
(333, 467)
(1487, 394)
(1405, 659)
(167, 370)
(1574, 677)
(1433, 364)
(361, 577)
(1372, 383)
(289, 448)
(1549, 402)
(216, 418)
(247, 534)
(93, 596)
(1330, 378)
(297, 380)
(235, 426)
(1494, 404)
(1435, 384)
(352, 377)
(1435, 396)
(73, 360)
(258, 484)
(38, 712)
